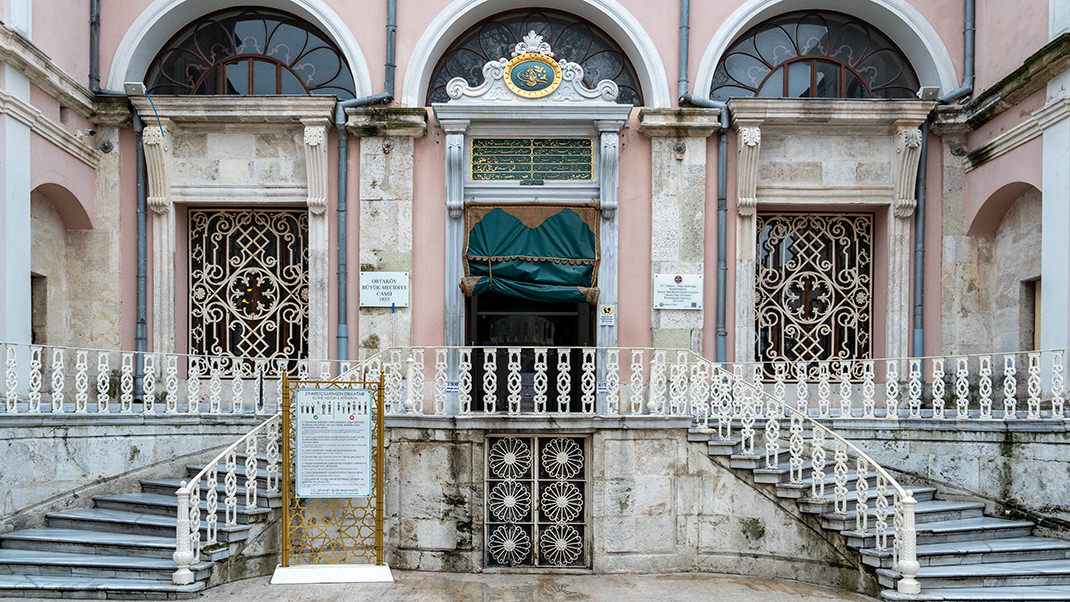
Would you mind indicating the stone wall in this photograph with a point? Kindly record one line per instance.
(63, 461)
(269, 155)
(987, 291)
(48, 259)
(657, 503)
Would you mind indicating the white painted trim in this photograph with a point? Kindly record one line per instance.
(163, 18)
(609, 15)
(55, 133)
(896, 18)
(44, 72)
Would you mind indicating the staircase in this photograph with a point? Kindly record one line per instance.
(121, 547)
(964, 555)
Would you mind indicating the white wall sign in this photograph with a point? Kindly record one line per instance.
(677, 291)
(334, 442)
(607, 315)
(384, 289)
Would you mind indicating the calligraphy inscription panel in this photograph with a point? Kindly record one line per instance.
(503, 159)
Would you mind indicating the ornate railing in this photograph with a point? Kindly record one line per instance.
(189, 524)
(742, 402)
(57, 380)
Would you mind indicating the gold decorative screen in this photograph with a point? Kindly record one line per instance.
(814, 283)
(248, 283)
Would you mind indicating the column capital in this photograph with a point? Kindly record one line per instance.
(156, 139)
(387, 121)
(679, 123)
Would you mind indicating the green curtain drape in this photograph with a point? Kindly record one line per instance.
(540, 253)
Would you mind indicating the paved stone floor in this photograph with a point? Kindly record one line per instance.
(456, 587)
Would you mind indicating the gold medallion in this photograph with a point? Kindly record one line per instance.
(532, 75)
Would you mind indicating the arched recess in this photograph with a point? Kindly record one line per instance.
(157, 23)
(895, 18)
(609, 15)
(990, 214)
(67, 205)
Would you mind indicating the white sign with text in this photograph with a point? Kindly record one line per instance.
(334, 442)
(677, 291)
(384, 289)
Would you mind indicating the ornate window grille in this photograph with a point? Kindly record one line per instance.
(814, 288)
(250, 52)
(248, 283)
(814, 55)
(536, 502)
(571, 38)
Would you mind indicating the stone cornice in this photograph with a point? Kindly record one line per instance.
(236, 109)
(19, 52)
(699, 123)
(55, 133)
(834, 112)
(532, 112)
(1033, 75)
(387, 121)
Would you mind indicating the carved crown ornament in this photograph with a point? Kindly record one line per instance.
(532, 73)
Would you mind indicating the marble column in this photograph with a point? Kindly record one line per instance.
(315, 143)
(158, 160)
(748, 143)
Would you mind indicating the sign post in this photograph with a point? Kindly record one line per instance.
(332, 483)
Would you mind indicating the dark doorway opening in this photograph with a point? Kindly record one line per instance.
(502, 321)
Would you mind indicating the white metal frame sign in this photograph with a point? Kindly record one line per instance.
(677, 291)
(333, 442)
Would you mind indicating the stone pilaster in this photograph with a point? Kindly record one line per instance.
(158, 160)
(748, 144)
(386, 178)
(897, 325)
(609, 167)
(678, 199)
(1054, 120)
(454, 268)
(315, 142)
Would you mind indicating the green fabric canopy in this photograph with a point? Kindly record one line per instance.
(547, 254)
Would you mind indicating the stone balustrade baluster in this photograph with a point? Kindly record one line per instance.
(984, 387)
(588, 381)
(962, 388)
(839, 473)
(464, 381)
(59, 377)
(637, 381)
(34, 405)
(513, 384)
(148, 385)
(1033, 386)
(938, 387)
(612, 382)
(1010, 388)
(564, 380)
(541, 380)
(915, 389)
(441, 380)
(81, 382)
(891, 390)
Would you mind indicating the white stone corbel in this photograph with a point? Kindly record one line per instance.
(316, 163)
(157, 143)
(905, 162)
(749, 141)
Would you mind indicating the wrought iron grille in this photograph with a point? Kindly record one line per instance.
(249, 283)
(250, 52)
(814, 288)
(536, 502)
(572, 39)
(814, 55)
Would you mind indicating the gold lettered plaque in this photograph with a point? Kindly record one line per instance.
(532, 75)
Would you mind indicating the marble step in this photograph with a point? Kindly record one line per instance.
(137, 523)
(95, 588)
(169, 486)
(924, 512)
(167, 505)
(60, 564)
(239, 472)
(966, 529)
(1026, 593)
(80, 541)
(995, 574)
(1013, 549)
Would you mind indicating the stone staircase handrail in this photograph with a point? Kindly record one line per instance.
(188, 523)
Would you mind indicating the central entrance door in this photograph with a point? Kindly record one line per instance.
(499, 321)
(530, 281)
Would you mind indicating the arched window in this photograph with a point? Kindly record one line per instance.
(250, 52)
(570, 37)
(810, 54)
